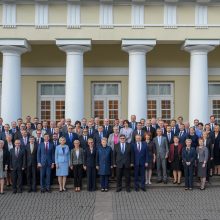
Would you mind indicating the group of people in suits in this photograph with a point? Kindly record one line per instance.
(33, 151)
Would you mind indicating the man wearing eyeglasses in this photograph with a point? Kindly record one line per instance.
(70, 137)
(123, 161)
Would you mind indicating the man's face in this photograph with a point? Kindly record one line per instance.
(196, 122)
(70, 129)
(138, 138)
(6, 127)
(46, 138)
(31, 140)
(24, 133)
(85, 132)
(14, 124)
(90, 125)
(106, 122)
(100, 129)
(44, 124)
(28, 125)
(159, 132)
(133, 118)
(36, 120)
(173, 123)
(84, 121)
(122, 139)
(17, 144)
(68, 122)
(168, 129)
(139, 126)
(55, 137)
(28, 119)
(212, 119)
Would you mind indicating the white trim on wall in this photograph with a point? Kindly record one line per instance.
(137, 15)
(41, 15)
(170, 16)
(201, 16)
(9, 15)
(106, 15)
(73, 15)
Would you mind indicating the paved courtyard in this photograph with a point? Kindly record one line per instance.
(157, 203)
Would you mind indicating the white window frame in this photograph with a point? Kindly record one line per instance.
(105, 98)
(52, 98)
(170, 18)
(106, 15)
(9, 15)
(41, 15)
(159, 98)
(201, 16)
(137, 15)
(73, 15)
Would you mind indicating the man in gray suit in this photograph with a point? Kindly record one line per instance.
(162, 154)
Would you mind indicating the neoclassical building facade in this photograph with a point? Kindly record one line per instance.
(110, 58)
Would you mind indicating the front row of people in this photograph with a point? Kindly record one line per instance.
(102, 159)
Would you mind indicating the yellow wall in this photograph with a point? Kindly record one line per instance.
(213, 14)
(186, 14)
(25, 14)
(90, 14)
(122, 18)
(154, 14)
(58, 14)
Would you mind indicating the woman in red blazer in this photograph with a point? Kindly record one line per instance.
(175, 158)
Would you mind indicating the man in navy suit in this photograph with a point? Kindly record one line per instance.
(138, 131)
(107, 129)
(45, 160)
(24, 139)
(169, 135)
(70, 137)
(182, 134)
(5, 132)
(174, 127)
(133, 123)
(98, 136)
(141, 158)
(91, 130)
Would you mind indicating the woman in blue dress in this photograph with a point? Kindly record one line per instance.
(62, 159)
(104, 163)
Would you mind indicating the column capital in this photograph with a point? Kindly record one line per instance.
(138, 46)
(200, 46)
(74, 45)
(15, 46)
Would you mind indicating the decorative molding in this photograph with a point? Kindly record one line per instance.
(73, 15)
(170, 16)
(137, 16)
(201, 16)
(106, 15)
(41, 15)
(9, 15)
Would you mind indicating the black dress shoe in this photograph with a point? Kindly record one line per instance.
(143, 189)
(128, 190)
(15, 191)
(2, 193)
(159, 181)
(165, 181)
(136, 189)
(48, 190)
(19, 191)
(30, 190)
(118, 190)
(42, 191)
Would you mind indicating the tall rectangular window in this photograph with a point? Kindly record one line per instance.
(73, 16)
(170, 16)
(137, 16)
(9, 15)
(41, 15)
(106, 15)
(201, 16)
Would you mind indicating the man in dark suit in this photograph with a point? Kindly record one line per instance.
(1, 125)
(17, 165)
(39, 139)
(71, 137)
(45, 160)
(174, 127)
(107, 129)
(90, 165)
(91, 130)
(212, 122)
(84, 139)
(84, 123)
(13, 129)
(51, 130)
(123, 160)
(138, 131)
(31, 157)
(133, 123)
(45, 128)
(24, 139)
(66, 125)
(5, 132)
(182, 134)
(149, 129)
(18, 134)
(162, 127)
(169, 135)
(141, 158)
(98, 136)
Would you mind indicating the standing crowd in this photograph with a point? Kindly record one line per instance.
(32, 152)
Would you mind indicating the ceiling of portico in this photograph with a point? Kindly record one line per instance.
(111, 55)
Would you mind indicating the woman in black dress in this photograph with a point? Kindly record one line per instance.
(175, 158)
(216, 149)
(152, 157)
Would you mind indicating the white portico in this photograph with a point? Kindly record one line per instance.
(198, 95)
(12, 49)
(137, 89)
(74, 100)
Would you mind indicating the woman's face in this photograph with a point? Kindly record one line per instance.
(62, 141)
(76, 145)
(200, 142)
(116, 130)
(147, 137)
(191, 131)
(104, 143)
(125, 124)
(176, 140)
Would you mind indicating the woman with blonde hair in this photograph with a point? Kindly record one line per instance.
(62, 159)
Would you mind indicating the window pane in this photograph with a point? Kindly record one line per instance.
(214, 89)
(165, 89)
(152, 89)
(47, 89)
(59, 89)
(99, 89)
(112, 89)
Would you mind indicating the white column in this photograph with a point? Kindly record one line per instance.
(137, 82)
(11, 104)
(198, 89)
(74, 102)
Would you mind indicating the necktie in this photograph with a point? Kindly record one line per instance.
(46, 147)
(71, 137)
(169, 137)
(17, 152)
(90, 132)
(123, 148)
(51, 130)
(31, 148)
(138, 147)
(85, 138)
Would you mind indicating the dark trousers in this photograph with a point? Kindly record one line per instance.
(119, 174)
(17, 179)
(45, 174)
(78, 170)
(139, 170)
(104, 179)
(91, 178)
(31, 177)
(188, 172)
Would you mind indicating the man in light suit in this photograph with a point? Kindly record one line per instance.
(141, 158)
(122, 160)
(162, 154)
(45, 160)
